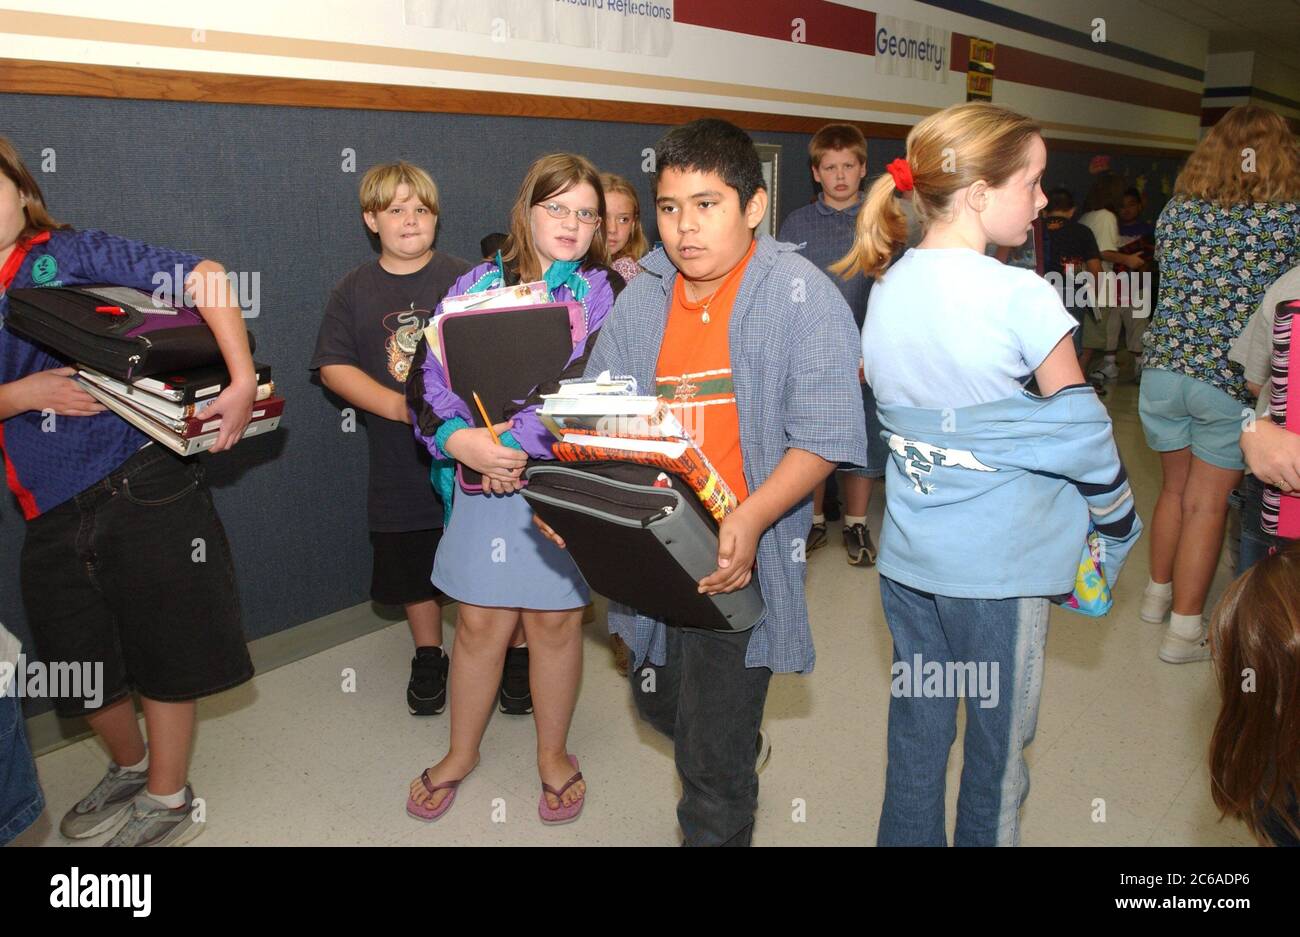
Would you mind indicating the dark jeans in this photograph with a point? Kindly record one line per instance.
(135, 574)
(1255, 544)
(710, 704)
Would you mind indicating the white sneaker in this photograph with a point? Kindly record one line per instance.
(1154, 606)
(1107, 372)
(1175, 649)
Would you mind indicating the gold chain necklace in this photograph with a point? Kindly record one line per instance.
(703, 305)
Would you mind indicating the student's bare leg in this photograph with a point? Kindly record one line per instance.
(425, 619)
(1167, 520)
(857, 493)
(1204, 513)
(117, 727)
(171, 732)
(482, 634)
(554, 672)
(819, 497)
(519, 637)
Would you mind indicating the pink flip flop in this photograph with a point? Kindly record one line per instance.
(424, 811)
(561, 814)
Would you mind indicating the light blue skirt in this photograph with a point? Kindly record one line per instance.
(492, 555)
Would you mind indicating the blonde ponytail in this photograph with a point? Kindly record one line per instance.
(948, 151)
(881, 229)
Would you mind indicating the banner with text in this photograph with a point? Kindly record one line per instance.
(911, 50)
(640, 27)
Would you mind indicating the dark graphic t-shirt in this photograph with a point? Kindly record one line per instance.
(373, 321)
(1067, 243)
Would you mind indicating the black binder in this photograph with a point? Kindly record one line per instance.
(639, 544)
(502, 354)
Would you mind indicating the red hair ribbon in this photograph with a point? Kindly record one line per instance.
(902, 174)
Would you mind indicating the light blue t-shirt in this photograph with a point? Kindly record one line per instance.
(949, 327)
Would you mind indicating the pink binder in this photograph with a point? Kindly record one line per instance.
(1280, 513)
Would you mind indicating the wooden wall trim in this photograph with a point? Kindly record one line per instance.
(23, 76)
(20, 76)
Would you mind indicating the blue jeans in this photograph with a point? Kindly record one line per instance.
(710, 704)
(21, 801)
(1255, 544)
(1002, 640)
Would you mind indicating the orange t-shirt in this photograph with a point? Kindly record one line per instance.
(694, 374)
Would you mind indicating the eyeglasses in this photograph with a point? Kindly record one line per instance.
(558, 211)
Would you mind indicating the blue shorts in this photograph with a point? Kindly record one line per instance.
(877, 448)
(1179, 411)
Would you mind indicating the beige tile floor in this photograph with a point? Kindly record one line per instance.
(291, 759)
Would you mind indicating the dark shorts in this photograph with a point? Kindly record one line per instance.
(877, 448)
(135, 574)
(403, 566)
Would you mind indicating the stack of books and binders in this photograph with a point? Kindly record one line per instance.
(169, 408)
(605, 420)
(154, 364)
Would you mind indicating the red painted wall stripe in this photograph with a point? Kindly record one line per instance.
(831, 26)
(827, 25)
(1044, 71)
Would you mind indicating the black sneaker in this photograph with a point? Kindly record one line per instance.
(426, 694)
(857, 541)
(816, 537)
(515, 698)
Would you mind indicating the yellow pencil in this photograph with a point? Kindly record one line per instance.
(486, 422)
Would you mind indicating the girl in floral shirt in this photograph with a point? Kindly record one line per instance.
(1231, 228)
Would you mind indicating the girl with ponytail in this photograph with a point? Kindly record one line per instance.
(990, 487)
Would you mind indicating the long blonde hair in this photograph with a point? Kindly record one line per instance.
(36, 216)
(547, 176)
(1248, 156)
(637, 245)
(946, 152)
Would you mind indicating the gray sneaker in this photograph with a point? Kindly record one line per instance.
(857, 542)
(152, 824)
(106, 807)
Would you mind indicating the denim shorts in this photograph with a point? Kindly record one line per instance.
(135, 574)
(877, 448)
(1179, 411)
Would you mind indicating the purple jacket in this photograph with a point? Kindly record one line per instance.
(432, 402)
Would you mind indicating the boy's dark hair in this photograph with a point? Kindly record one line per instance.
(1106, 194)
(712, 145)
(488, 247)
(1133, 194)
(1060, 200)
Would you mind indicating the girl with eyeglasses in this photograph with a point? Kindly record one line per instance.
(556, 235)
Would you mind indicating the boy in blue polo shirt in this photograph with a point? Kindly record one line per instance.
(790, 411)
(824, 232)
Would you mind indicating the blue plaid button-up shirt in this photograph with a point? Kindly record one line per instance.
(794, 360)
